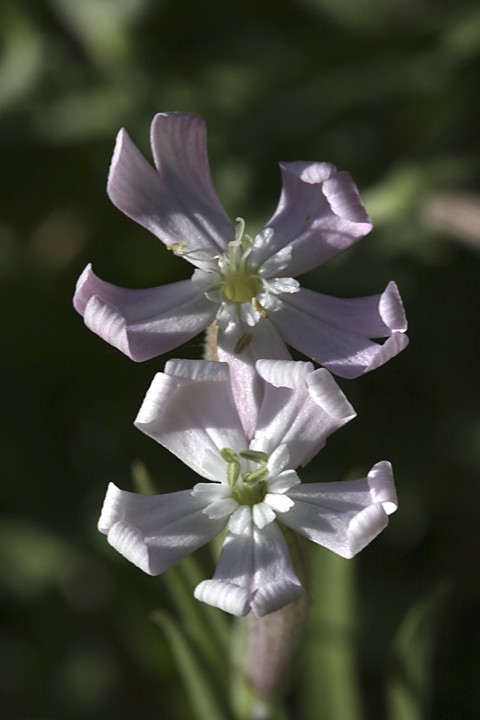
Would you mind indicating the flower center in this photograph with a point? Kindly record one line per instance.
(239, 283)
(248, 488)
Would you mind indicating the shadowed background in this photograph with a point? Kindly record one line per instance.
(386, 89)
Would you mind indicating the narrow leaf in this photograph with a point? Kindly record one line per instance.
(202, 623)
(410, 683)
(142, 479)
(329, 680)
(205, 704)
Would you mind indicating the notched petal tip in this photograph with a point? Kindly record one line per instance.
(105, 319)
(275, 595)
(325, 392)
(391, 308)
(364, 527)
(130, 542)
(284, 373)
(120, 141)
(111, 508)
(310, 172)
(392, 346)
(382, 486)
(157, 398)
(198, 370)
(224, 595)
(82, 294)
(344, 199)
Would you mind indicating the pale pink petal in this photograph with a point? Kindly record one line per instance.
(221, 508)
(189, 409)
(155, 532)
(343, 516)
(177, 203)
(292, 414)
(339, 334)
(241, 347)
(325, 392)
(278, 460)
(319, 215)
(142, 323)
(254, 571)
(212, 492)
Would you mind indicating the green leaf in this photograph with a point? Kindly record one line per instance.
(410, 683)
(329, 678)
(205, 704)
(142, 479)
(217, 622)
(206, 626)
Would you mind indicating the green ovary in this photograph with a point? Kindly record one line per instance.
(250, 493)
(248, 488)
(240, 287)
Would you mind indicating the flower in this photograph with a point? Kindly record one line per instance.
(193, 410)
(239, 282)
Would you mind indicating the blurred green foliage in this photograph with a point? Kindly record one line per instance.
(387, 89)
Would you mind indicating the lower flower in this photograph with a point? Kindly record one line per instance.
(254, 490)
(254, 571)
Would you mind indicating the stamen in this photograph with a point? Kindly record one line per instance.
(259, 308)
(240, 229)
(228, 455)
(248, 488)
(243, 343)
(233, 466)
(256, 476)
(256, 456)
(180, 248)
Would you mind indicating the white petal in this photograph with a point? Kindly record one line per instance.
(275, 595)
(280, 503)
(178, 202)
(142, 323)
(240, 519)
(262, 514)
(214, 466)
(204, 279)
(270, 302)
(275, 580)
(283, 482)
(278, 460)
(190, 410)
(211, 492)
(289, 414)
(341, 334)
(382, 487)
(325, 392)
(254, 570)
(221, 508)
(282, 285)
(343, 516)
(247, 385)
(226, 596)
(276, 263)
(318, 216)
(155, 532)
(284, 373)
(249, 315)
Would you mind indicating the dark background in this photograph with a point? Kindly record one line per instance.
(386, 89)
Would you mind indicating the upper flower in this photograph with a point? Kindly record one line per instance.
(194, 411)
(240, 282)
